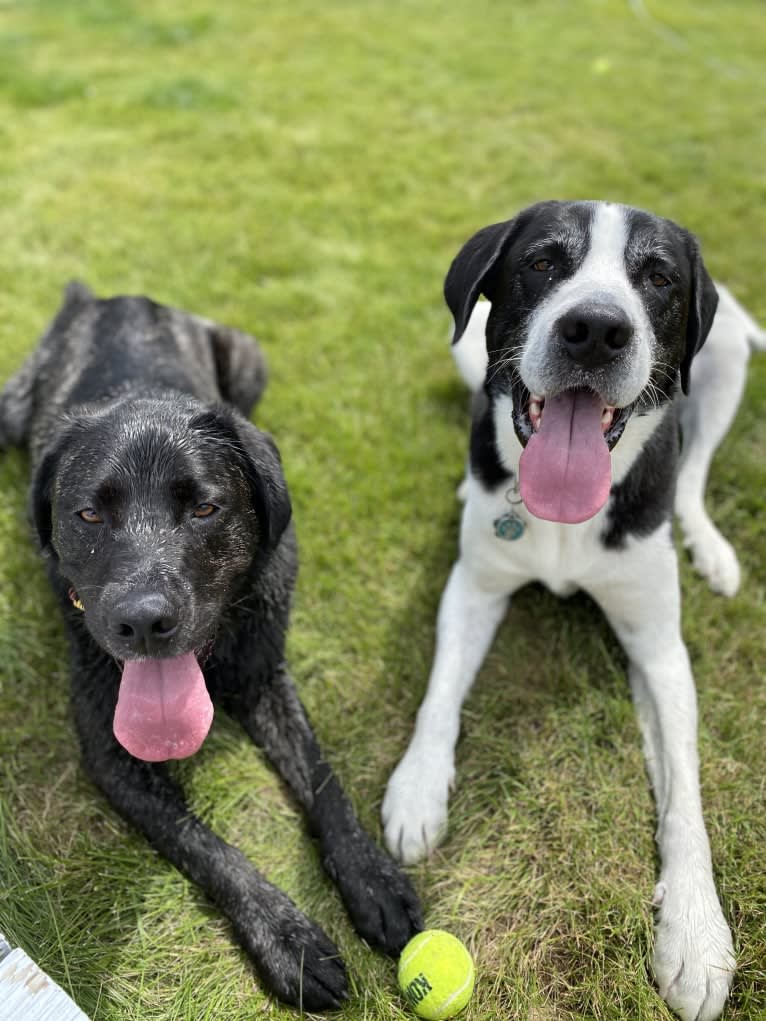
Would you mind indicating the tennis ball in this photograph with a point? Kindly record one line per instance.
(436, 974)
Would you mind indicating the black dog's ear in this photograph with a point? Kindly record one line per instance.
(703, 301)
(259, 459)
(471, 272)
(270, 495)
(41, 499)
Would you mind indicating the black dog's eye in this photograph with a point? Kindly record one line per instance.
(91, 516)
(204, 510)
(659, 280)
(542, 265)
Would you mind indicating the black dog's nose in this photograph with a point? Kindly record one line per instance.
(593, 335)
(145, 617)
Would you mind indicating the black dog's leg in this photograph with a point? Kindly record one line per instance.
(378, 896)
(291, 953)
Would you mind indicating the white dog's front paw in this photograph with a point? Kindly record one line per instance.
(415, 806)
(693, 953)
(714, 558)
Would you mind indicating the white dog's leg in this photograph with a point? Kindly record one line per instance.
(415, 805)
(717, 380)
(693, 953)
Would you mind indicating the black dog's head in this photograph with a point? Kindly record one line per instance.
(154, 510)
(597, 309)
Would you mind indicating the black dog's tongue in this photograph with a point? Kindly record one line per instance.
(163, 708)
(565, 471)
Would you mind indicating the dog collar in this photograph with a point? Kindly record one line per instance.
(510, 525)
(75, 600)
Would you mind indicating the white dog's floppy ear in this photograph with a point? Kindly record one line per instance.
(703, 301)
(470, 272)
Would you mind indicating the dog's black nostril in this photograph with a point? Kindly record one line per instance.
(145, 617)
(574, 331)
(618, 336)
(593, 335)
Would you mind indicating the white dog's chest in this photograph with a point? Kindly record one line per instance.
(509, 547)
(564, 557)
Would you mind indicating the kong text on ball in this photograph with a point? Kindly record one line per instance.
(436, 974)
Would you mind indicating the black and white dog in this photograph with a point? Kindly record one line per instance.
(165, 521)
(596, 313)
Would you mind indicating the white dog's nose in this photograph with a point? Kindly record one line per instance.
(594, 335)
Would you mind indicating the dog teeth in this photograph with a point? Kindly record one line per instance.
(607, 417)
(535, 411)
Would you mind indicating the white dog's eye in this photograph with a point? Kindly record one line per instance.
(542, 265)
(659, 280)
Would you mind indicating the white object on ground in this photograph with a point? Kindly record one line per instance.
(28, 994)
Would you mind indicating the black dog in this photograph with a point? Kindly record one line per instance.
(165, 522)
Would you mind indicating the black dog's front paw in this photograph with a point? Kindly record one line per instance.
(379, 898)
(295, 959)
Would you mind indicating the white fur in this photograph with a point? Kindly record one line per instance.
(470, 352)
(637, 587)
(715, 389)
(603, 277)
(638, 590)
(717, 381)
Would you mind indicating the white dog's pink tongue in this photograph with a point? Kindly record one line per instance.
(565, 471)
(163, 708)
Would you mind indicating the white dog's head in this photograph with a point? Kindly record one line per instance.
(597, 310)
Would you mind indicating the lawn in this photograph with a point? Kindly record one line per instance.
(306, 172)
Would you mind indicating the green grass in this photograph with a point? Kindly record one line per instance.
(307, 171)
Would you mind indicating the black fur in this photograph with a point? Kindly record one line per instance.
(702, 308)
(490, 261)
(485, 459)
(137, 411)
(644, 499)
(498, 262)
